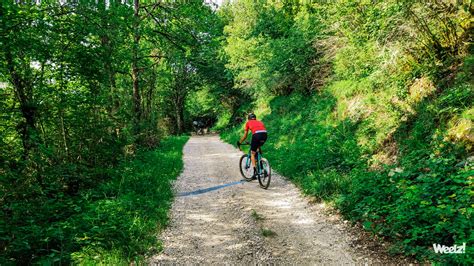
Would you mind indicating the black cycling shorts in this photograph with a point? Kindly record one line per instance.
(258, 139)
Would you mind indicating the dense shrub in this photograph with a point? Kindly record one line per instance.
(402, 170)
(114, 221)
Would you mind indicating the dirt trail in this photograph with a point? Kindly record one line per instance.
(225, 225)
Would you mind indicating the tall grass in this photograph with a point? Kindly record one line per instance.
(112, 223)
(398, 168)
(126, 223)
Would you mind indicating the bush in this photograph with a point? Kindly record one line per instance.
(423, 198)
(115, 221)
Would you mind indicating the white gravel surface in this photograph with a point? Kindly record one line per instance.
(217, 227)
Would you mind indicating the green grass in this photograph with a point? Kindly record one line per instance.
(300, 130)
(267, 232)
(130, 220)
(316, 143)
(114, 222)
(257, 216)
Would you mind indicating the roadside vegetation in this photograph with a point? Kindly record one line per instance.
(369, 106)
(90, 93)
(113, 222)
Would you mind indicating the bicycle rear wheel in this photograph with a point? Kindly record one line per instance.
(246, 167)
(266, 174)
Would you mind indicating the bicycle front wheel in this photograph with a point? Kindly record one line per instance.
(266, 174)
(246, 167)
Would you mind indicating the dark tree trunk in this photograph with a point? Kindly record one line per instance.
(23, 90)
(109, 69)
(149, 100)
(135, 70)
(27, 128)
(179, 97)
(179, 112)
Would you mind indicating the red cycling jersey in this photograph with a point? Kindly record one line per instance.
(255, 126)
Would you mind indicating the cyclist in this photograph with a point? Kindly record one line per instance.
(259, 136)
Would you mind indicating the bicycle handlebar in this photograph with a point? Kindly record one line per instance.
(240, 144)
(247, 143)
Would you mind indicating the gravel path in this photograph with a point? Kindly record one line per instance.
(242, 223)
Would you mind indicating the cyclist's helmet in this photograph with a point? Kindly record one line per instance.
(252, 116)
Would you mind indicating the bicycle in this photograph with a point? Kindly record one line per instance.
(264, 172)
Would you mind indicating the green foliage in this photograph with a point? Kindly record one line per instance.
(388, 137)
(267, 232)
(257, 216)
(368, 104)
(202, 103)
(427, 201)
(85, 87)
(298, 130)
(267, 45)
(115, 221)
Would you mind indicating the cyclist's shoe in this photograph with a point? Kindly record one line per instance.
(254, 176)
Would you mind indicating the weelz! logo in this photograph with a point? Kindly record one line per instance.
(449, 250)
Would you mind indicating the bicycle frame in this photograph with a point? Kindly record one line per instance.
(262, 173)
(258, 157)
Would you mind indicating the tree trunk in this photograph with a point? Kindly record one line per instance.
(179, 97)
(23, 90)
(135, 70)
(178, 120)
(27, 129)
(109, 69)
(63, 133)
(148, 109)
(149, 102)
